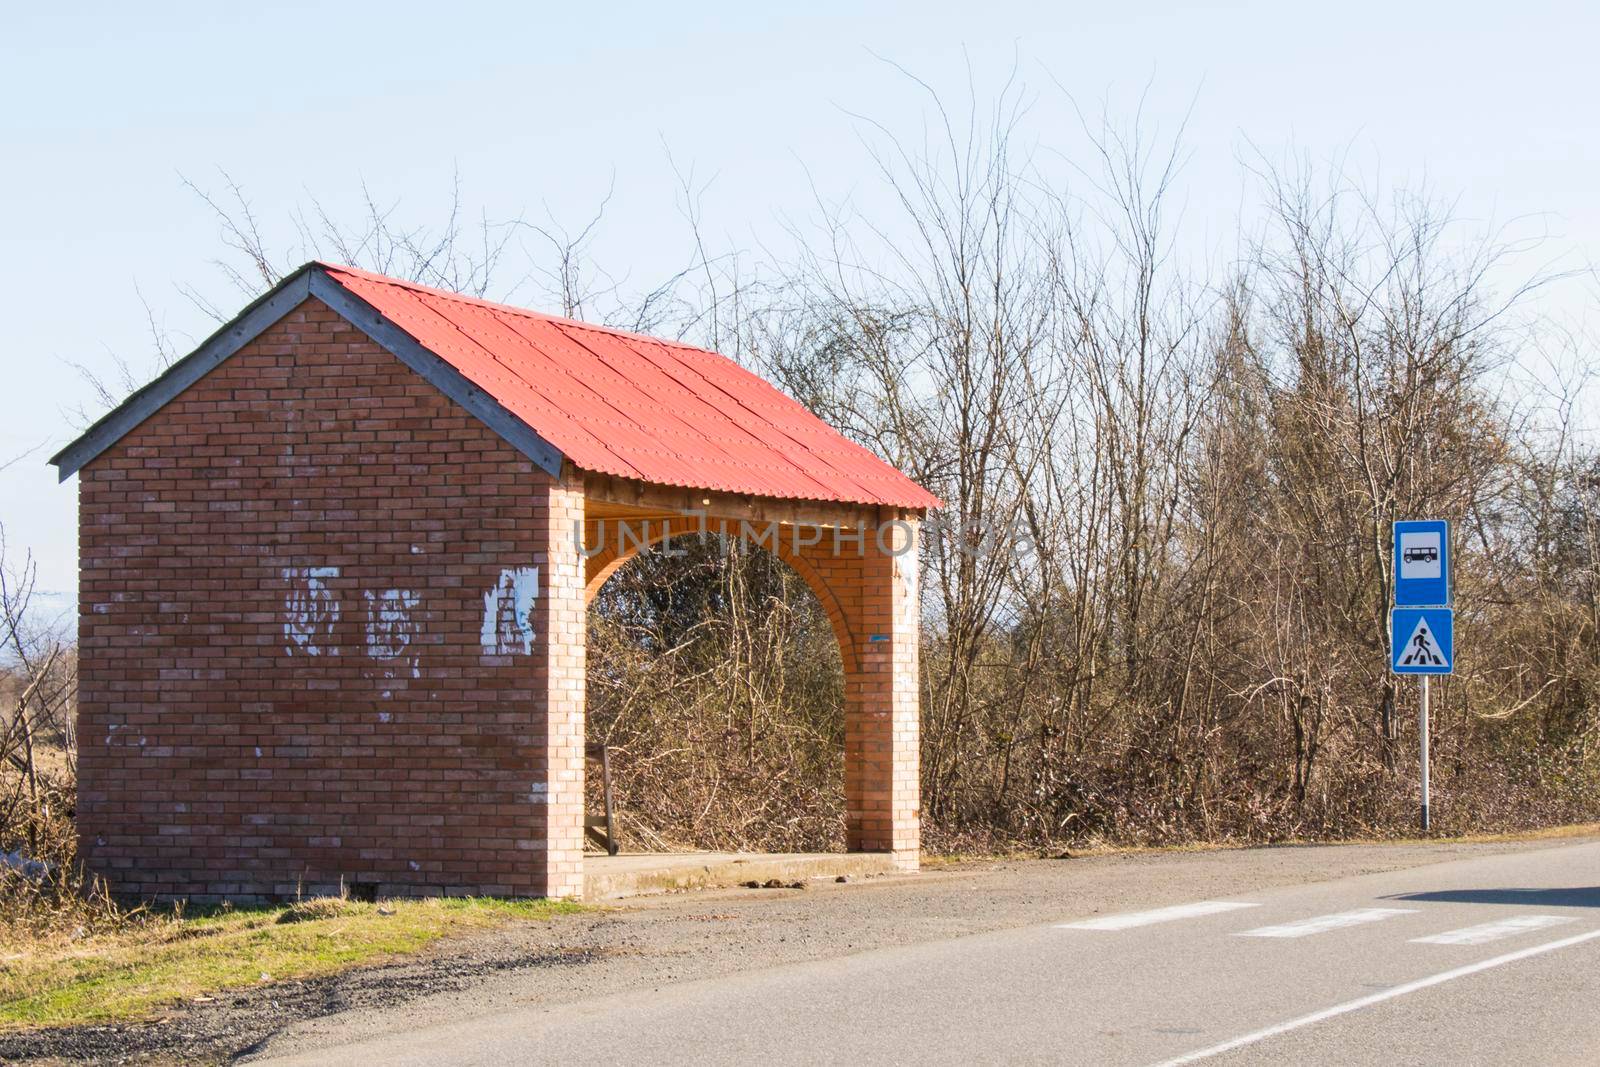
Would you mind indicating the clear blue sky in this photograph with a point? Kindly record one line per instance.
(104, 107)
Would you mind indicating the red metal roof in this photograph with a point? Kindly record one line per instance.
(638, 407)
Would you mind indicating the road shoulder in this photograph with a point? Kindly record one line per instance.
(657, 941)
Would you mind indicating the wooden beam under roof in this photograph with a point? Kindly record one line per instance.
(607, 496)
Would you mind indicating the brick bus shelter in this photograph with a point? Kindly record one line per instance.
(335, 566)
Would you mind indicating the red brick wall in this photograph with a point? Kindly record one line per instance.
(564, 620)
(236, 738)
(873, 585)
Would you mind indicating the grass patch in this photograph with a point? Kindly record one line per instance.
(165, 958)
(1547, 833)
(936, 861)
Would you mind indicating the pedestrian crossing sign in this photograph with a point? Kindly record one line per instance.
(1422, 640)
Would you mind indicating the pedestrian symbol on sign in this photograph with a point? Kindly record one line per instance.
(1422, 650)
(1422, 640)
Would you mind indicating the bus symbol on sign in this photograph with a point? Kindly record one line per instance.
(1421, 564)
(1419, 555)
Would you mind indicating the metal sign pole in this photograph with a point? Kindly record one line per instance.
(1422, 729)
(1422, 620)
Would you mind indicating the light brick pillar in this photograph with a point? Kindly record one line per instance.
(881, 697)
(561, 628)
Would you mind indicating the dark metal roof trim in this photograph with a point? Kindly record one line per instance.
(250, 324)
(283, 298)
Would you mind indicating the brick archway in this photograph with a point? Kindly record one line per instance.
(859, 561)
(613, 550)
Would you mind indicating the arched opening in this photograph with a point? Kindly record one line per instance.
(716, 681)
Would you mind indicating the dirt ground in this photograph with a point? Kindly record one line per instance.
(660, 940)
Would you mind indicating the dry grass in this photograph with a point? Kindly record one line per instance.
(157, 959)
(70, 954)
(933, 861)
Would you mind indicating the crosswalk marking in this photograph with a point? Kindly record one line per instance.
(1376, 998)
(1323, 923)
(1480, 934)
(1492, 931)
(1159, 915)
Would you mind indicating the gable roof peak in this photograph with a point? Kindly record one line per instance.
(613, 402)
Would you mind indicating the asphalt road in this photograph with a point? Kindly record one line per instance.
(1490, 959)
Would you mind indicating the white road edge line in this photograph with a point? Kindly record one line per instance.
(1159, 915)
(1321, 924)
(1492, 931)
(1377, 998)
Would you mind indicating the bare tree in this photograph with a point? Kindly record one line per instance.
(44, 687)
(1154, 603)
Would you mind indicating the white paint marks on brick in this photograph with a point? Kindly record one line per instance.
(310, 612)
(125, 739)
(508, 613)
(414, 865)
(392, 632)
(258, 752)
(539, 792)
(384, 716)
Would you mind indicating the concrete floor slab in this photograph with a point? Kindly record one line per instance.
(635, 874)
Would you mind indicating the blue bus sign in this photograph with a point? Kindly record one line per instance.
(1422, 564)
(1422, 641)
